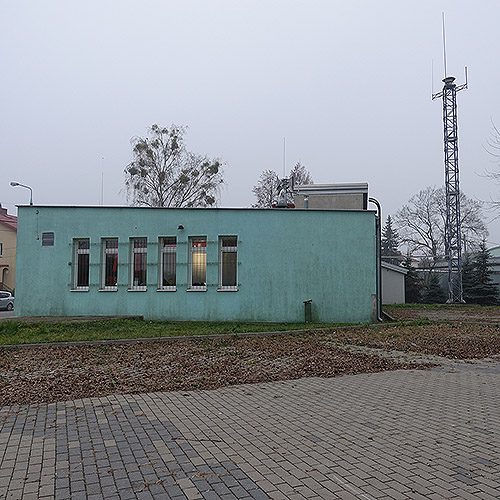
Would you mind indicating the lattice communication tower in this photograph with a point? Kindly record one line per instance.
(453, 232)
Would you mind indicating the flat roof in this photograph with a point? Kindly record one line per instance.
(200, 208)
(345, 188)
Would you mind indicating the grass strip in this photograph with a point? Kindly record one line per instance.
(19, 332)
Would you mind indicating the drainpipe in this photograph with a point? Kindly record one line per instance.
(378, 224)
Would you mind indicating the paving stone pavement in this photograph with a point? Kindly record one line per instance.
(430, 434)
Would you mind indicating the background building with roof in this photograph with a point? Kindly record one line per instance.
(494, 264)
(393, 284)
(8, 244)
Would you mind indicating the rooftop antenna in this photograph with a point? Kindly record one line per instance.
(452, 230)
(101, 200)
(284, 155)
(444, 47)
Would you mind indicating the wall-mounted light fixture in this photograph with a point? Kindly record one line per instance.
(180, 227)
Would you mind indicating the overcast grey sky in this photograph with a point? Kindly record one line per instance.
(348, 84)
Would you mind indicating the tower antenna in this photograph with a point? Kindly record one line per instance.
(444, 48)
(453, 229)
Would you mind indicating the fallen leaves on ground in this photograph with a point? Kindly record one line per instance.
(447, 312)
(449, 340)
(49, 374)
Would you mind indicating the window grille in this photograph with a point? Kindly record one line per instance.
(109, 262)
(168, 262)
(228, 263)
(81, 264)
(139, 263)
(198, 263)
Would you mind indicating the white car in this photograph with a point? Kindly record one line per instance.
(6, 301)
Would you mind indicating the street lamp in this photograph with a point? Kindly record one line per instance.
(14, 184)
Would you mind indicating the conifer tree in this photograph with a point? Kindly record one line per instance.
(468, 277)
(434, 293)
(413, 283)
(481, 290)
(390, 243)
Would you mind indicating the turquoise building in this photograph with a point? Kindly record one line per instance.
(196, 264)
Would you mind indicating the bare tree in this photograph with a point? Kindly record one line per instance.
(474, 230)
(421, 223)
(164, 174)
(493, 148)
(301, 175)
(268, 189)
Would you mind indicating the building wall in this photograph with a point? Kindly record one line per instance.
(8, 240)
(393, 287)
(284, 258)
(332, 201)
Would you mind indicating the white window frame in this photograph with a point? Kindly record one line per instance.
(104, 252)
(133, 251)
(76, 253)
(166, 252)
(193, 251)
(226, 249)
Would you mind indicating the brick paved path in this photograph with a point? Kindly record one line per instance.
(406, 434)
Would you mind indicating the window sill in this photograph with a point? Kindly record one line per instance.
(167, 289)
(227, 289)
(86, 289)
(200, 289)
(109, 289)
(138, 289)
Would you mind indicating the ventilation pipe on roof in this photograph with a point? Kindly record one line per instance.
(378, 231)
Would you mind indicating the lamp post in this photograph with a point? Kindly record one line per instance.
(14, 184)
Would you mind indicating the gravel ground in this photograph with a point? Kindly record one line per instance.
(49, 374)
(460, 313)
(448, 340)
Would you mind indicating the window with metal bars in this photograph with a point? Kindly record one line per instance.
(138, 263)
(81, 263)
(198, 263)
(228, 263)
(109, 264)
(168, 261)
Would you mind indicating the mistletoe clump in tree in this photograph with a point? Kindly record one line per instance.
(163, 173)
